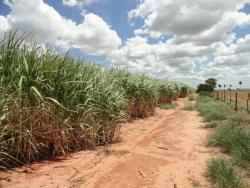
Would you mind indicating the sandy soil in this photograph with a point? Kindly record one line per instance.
(167, 150)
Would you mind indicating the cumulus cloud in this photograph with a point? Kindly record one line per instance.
(47, 26)
(203, 42)
(186, 40)
(79, 3)
(209, 20)
(4, 25)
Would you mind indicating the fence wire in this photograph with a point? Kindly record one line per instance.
(240, 100)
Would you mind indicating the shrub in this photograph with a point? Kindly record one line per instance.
(205, 88)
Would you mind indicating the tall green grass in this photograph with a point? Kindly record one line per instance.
(212, 110)
(223, 174)
(233, 136)
(52, 104)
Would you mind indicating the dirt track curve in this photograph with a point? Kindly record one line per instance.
(166, 150)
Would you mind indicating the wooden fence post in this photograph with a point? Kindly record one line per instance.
(248, 103)
(247, 106)
(236, 101)
(224, 95)
(230, 96)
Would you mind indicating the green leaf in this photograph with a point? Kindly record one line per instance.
(59, 104)
(35, 90)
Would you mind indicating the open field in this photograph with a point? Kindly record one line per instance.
(242, 95)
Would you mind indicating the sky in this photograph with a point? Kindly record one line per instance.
(182, 40)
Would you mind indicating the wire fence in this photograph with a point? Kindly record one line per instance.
(238, 98)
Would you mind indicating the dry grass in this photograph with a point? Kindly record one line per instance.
(242, 95)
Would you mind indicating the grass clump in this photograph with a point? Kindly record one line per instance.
(234, 138)
(212, 110)
(223, 174)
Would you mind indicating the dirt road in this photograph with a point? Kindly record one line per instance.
(167, 150)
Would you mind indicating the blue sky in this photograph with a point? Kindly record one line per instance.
(178, 40)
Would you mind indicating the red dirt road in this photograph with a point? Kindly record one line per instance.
(166, 150)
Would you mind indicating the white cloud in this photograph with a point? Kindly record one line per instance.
(70, 3)
(93, 35)
(79, 3)
(4, 25)
(193, 39)
(198, 21)
(203, 44)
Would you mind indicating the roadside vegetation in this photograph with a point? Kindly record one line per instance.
(232, 135)
(51, 104)
(224, 175)
(191, 97)
(212, 110)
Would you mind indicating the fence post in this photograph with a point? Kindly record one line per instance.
(236, 101)
(221, 95)
(224, 95)
(248, 106)
(248, 111)
(230, 96)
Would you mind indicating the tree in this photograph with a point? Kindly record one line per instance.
(240, 83)
(205, 88)
(212, 82)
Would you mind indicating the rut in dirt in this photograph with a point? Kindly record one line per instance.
(166, 150)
